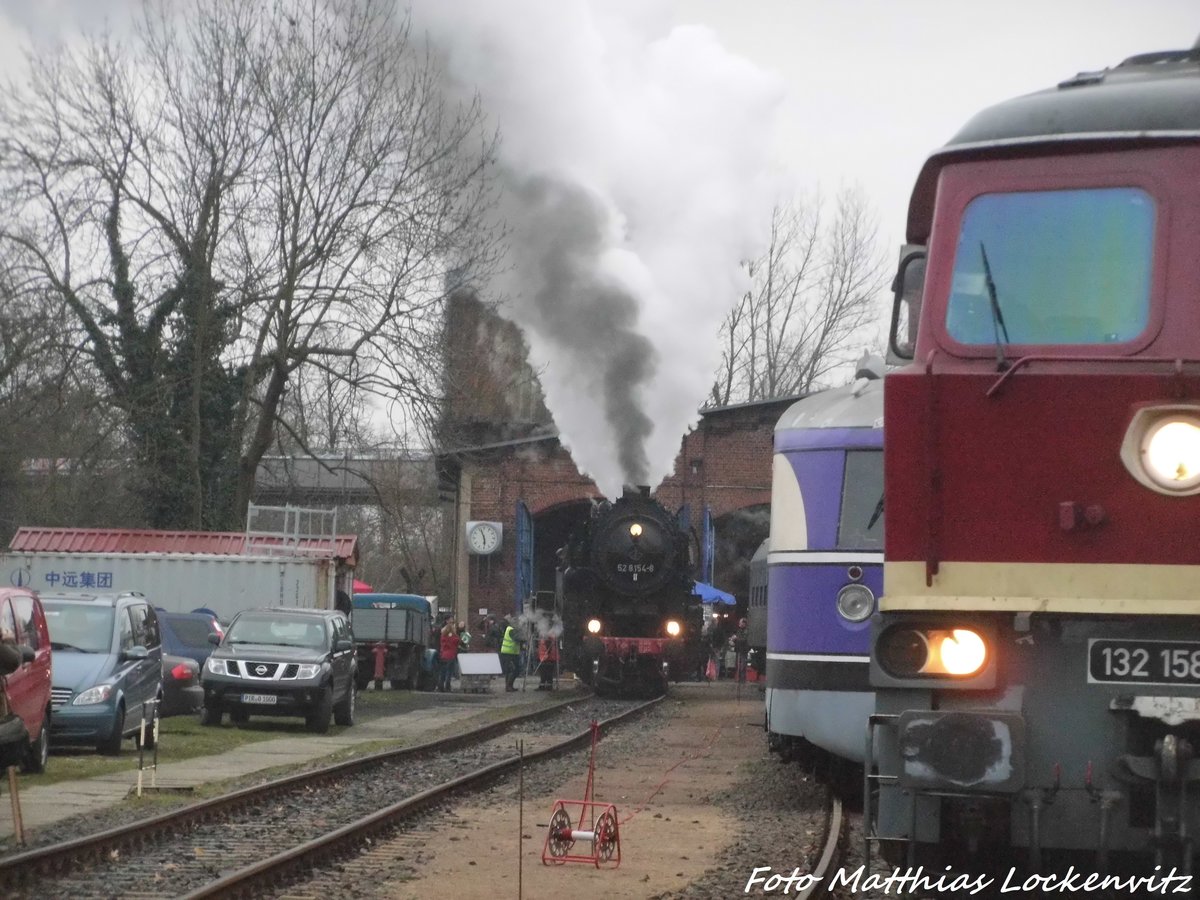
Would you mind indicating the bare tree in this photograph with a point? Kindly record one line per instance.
(405, 539)
(812, 301)
(56, 456)
(323, 410)
(246, 192)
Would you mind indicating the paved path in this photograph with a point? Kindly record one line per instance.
(46, 804)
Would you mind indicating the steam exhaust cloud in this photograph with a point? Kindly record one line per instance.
(635, 159)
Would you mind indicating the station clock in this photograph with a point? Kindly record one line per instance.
(484, 538)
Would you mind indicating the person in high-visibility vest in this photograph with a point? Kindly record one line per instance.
(510, 655)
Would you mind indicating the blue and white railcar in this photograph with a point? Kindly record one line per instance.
(825, 568)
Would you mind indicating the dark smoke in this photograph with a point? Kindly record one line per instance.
(635, 157)
(595, 321)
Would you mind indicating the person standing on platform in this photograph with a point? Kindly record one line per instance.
(547, 662)
(447, 657)
(510, 655)
(464, 638)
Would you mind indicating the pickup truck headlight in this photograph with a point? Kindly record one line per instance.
(97, 694)
(218, 667)
(308, 670)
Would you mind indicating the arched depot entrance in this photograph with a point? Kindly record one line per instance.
(551, 528)
(736, 536)
(533, 490)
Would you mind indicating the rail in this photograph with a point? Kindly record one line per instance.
(18, 868)
(251, 880)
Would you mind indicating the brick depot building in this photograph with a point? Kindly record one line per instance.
(532, 488)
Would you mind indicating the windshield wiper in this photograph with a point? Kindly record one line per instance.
(998, 325)
(58, 645)
(875, 515)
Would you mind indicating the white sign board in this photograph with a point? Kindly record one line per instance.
(479, 664)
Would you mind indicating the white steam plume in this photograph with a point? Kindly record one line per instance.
(635, 158)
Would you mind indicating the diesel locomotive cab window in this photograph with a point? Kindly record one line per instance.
(861, 525)
(1053, 267)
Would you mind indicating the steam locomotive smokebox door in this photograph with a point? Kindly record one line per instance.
(633, 550)
(964, 751)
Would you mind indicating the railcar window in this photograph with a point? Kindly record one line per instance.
(859, 528)
(1070, 267)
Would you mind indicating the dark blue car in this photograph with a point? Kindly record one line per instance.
(187, 634)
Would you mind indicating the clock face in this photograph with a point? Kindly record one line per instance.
(483, 538)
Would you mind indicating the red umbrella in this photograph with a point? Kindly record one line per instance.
(361, 587)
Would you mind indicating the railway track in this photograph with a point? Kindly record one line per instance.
(239, 842)
(833, 850)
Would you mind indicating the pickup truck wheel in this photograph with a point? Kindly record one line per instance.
(38, 751)
(210, 716)
(343, 713)
(317, 720)
(112, 746)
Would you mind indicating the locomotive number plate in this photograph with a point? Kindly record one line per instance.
(268, 699)
(1144, 662)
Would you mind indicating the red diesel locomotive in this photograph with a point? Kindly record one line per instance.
(1036, 657)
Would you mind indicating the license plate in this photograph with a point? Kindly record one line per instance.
(1144, 662)
(269, 699)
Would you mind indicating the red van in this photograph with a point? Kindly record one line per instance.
(23, 624)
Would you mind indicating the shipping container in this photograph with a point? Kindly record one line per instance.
(182, 582)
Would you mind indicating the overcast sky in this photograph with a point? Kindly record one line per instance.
(875, 85)
(869, 87)
(872, 85)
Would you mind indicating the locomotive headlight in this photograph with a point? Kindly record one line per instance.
(635, 530)
(855, 602)
(673, 628)
(1161, 448)
(903, 652)
(908, 652)
(1171, 452)
(593, 626)
(962, 652)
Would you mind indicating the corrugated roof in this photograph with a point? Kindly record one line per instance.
(145, 540)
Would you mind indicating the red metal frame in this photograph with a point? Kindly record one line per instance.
(603, 833)
(622, 646)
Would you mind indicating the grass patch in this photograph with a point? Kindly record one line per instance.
(180, 738)
(183, 737)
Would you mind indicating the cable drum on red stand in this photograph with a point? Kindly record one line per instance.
(604, 835)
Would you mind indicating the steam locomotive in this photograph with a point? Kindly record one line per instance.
(630, 620)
